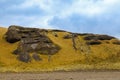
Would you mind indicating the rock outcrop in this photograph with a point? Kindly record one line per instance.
(31, 40)
(116, 41)
(93, 42)
(98, 37)
(16, 33)
(36, 41)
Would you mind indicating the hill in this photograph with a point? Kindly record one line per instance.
(77, 51)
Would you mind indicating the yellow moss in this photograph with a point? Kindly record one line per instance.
(67, 58)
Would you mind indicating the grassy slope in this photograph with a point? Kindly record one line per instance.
(104, 56)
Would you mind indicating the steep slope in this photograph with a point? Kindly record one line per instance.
(105, 55)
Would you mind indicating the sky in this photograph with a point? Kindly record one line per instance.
(82, 16)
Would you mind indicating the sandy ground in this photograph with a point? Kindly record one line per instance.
(61, 76)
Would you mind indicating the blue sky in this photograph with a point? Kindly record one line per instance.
(83, 16)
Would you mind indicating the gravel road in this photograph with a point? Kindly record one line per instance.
(62, 76)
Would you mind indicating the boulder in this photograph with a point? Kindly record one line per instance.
(24, 57)
(93, 42)
(36, 57)
(98, 37)
(55, 34)
(67, 36)
(117, 42)
(16, 33)
(56, 30)
(30, 40)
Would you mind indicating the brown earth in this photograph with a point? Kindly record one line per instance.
(62, 76)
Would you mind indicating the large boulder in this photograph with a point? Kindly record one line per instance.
(16, 33)
(36, 57)
(31, 40)
(98, 37)
(116, 41)
(93, 42)
(70, 36)
(25, 57)
(67, 36)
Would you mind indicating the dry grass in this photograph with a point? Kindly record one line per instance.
(103, 56)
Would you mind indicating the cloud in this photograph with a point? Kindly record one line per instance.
(89, 8)
(64, 9)
(96, 16)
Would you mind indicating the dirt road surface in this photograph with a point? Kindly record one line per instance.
(62, 76)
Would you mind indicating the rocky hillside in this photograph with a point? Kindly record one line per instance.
(31, 40)
(33, 49)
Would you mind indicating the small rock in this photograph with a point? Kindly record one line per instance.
(36, 57)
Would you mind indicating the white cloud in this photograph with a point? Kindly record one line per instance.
(42, 22)
(88, 8)
(30, 21)
(63, 10)
(46, 5)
